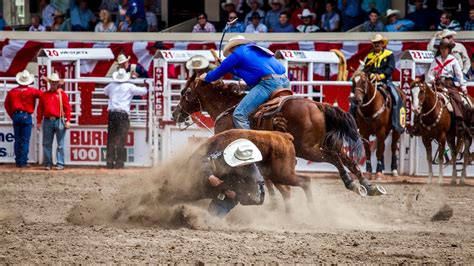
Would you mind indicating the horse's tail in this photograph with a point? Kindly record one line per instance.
(340, 127)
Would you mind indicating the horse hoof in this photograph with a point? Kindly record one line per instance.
(362, 191)
(395, 173)
(381, 190)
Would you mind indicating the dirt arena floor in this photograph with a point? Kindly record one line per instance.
(100, 216)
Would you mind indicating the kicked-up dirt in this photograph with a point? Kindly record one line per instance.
(99, 216)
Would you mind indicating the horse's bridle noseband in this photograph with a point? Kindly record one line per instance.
(190, 116)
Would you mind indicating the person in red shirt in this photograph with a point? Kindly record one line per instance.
(295, 19)
(20, 104)
(54, 113)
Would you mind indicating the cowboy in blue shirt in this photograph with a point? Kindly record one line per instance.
(257, 67)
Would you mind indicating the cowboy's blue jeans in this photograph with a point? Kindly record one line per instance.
(51, 128)
(22, 125)
(256, 96)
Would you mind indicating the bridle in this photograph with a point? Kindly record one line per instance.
(440, 113)
(364, 91)
(189, 120)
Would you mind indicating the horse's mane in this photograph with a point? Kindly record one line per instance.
(358, 73)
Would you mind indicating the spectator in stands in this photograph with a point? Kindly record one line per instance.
(135, 70)
(469, 25)
(296, 15)
(203, 25)
(81, 17)
(60, 23)
(54, 115)
(125, 25)
(284, 23)
(120, 94)
(110, 5)
(330, 20)
(47, 13)
(121, 17)
(255, 26)
(272, 17)
(350, 13)
(459, 51)
(229, 6)
(237, 26)
(19, 105)
(446, 22)
(3, 23)
(255, 6)
(470, 73)
(307, 17)
(36, 24)
(290, 6)
(106, 24)
(136, 13)
(395, 24)
(423, 18)
(373, 24)
(381, 5)
(151, 19)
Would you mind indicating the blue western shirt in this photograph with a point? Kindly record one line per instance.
(248, 62)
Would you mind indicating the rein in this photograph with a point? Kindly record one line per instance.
(376, 114)
(438, 118)
(195, 117)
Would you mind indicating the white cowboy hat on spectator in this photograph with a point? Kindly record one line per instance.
(233, 42)
(306, 13)
(241, 152)
(227, 2)
(379, 38)
(391, 12)
(54, 77)
(446, 33)
(281, 2)
(260, 2)
(122, 59)
(121, 75)
(24, 77)
(197, 62)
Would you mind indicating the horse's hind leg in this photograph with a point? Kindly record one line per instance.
(454, 152)
(379, 154)
(429, 158)
(442, 144)
(467, 158)
(394, 163)
(355, 169)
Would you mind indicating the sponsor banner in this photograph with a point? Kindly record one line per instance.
(7, 140)
(88, 146)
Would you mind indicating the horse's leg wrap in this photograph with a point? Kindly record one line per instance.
(380, 165)
(347, 180)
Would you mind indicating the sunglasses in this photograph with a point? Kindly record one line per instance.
(201, 17)
(232, 17)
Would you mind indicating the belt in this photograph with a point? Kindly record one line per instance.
(273, 76)
(118, 111)
(52, 118)
(20, 112)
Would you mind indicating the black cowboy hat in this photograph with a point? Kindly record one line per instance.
(255, 15)
(159, 45)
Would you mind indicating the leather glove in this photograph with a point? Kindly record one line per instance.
(203, 76)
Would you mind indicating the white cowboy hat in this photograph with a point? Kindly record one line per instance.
(197, 62)
(281, 2)
(227, 2)
(392, 12)
(121, 75)
(234, 41)
(379, 38)
(307, 13)
(249, 2)
(446, 33)
(24, 77)
(241, 152)
(122, 59)
(54, 77)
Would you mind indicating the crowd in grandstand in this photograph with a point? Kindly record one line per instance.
(256, 16)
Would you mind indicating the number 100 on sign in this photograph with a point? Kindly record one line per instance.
(84, 154)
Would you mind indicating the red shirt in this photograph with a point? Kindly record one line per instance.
(296, 21)
(48, 106)
(21, 98)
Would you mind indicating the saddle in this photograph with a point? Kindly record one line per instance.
(273, 106)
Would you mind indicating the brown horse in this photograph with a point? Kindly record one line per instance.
(319, 130)
(436, 124)
(374, 117)
(278, 164)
